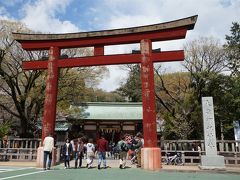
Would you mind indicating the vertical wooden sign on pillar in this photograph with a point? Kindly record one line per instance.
(151, 154)
(50, 102)
(148, 94)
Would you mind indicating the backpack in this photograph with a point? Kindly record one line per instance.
(116, 149)
(122, 146)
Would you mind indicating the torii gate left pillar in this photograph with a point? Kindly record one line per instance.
(50, 102)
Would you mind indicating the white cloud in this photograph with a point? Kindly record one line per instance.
(116, 76)
(42, 16)
(215, 18)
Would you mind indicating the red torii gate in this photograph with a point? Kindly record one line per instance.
(144, 35)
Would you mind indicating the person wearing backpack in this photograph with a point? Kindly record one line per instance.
(123, 149)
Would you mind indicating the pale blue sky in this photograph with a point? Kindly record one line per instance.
(62, 16)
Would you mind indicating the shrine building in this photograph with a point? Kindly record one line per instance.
(108, 118)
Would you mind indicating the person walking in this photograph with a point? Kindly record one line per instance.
(67, 153)
(73, 142)
(90, 153)
(5, 146)
(79, 153)
(137, 147)
(123, 149)
(48, 145)
(102, 148)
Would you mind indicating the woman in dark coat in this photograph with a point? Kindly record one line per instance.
(67, 153)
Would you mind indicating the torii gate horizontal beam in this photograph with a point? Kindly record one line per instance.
(157, 32)
(113, 40)
(166, 56)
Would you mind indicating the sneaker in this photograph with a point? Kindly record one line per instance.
(120, 166)
(98, 166)
(65, 167)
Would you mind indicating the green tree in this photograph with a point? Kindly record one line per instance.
(203, 57)
(76, 85)
(175, 104)
(233, 49)
(98, 95)
(206, 61)
(132, 88)
(22, 92)
(17, 85)
(5, 128)
(179, 94)
(225, 91)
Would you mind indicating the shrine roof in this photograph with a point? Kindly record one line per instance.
(59, 125)
(110, 111)
(187, 23)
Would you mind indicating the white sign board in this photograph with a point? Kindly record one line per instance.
(236, 125)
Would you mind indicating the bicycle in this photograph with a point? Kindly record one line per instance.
(173, 160)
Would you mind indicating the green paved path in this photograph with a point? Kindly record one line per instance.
(112, 174)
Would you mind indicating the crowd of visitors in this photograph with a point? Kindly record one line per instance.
(128, 147)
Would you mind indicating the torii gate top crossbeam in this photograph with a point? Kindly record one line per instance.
(157, 32)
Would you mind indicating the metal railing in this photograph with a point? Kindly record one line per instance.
(193, 149)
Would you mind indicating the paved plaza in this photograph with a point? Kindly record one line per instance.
(27, 171)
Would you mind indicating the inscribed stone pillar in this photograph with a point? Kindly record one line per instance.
(211, 160)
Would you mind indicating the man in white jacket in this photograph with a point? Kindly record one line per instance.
(48, 145)
(90, 153)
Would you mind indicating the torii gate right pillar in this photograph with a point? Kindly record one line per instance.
(150, 154)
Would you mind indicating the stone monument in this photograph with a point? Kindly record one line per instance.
(211, 160)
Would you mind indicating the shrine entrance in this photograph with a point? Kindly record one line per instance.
(144, 35)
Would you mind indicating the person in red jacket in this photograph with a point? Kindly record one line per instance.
(102, 148)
